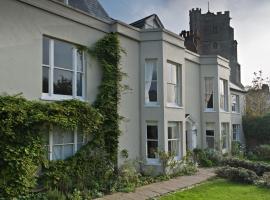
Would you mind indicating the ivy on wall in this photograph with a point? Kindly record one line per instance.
(23, 124)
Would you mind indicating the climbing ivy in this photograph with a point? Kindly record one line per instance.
(24, 123)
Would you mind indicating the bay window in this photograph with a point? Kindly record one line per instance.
(173, 138)
(152, 140)
(209, 93)
(223, 85)
(151, 81)
(174, 97)
(235, 103)
(62, 70)
(210, 135)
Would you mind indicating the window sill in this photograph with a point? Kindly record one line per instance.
(151, 105)
(236, 113)
(209, 111)
(152, 162)
(223, 111)
(172, 105)
(47, 97)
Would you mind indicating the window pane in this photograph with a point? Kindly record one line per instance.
(210, 133)
(63, 53)
(79, 61)
(171, 93)
(210, 141)
(152, 147)
(173, 147)
(62, 82)
(154, 76)
(67, 151)
(79, 84)
(173, 132)
(153, 92)
(57, 151)
(45, 50)
(45, 79)
(79, 136)
(57, 137)
(79, 146)
(68, 137)
(152, 132)
(174, 74)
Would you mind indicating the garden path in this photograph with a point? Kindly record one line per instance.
(161, 188)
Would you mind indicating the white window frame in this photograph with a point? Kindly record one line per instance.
(178, 126)
(209, 124)
(152, 161)
(225, 130)
(151, 103)
(75, 143)
(56, 97)
(205, 94)
(236, 130)
(236, 104)
(223, 88)
(178, 85)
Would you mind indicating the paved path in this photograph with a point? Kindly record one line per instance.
(161, 188)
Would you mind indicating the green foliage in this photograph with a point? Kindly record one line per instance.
(239, 174)
(264, 181)
(23, 124)
(207, 157)
(237, 149)
(257, 167)
(263, 152)
(257, 129)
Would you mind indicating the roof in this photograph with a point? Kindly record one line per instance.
(145, 21)
(92, 7)
(237, 88)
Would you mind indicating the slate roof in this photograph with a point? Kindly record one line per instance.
(92, 7)
(141, 23)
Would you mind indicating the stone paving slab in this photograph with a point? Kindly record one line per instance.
(161, 188)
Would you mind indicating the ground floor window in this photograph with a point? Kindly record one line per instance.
(224, 135)
(210, 135)
(174, 138)
(152, 140)
(64, 143)
(236, 132)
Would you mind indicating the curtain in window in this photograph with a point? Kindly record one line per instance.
(149, 71)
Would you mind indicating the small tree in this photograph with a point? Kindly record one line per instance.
(258, 96)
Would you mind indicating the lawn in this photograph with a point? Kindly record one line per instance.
(219, 189)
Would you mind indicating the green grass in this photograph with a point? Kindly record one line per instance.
(220, 189)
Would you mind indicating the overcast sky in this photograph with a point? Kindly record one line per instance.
(250, 20)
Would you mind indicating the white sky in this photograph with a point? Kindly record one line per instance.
(250, 20)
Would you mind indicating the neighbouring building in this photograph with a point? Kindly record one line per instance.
(179, 100)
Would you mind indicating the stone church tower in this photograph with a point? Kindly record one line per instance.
(211, 33)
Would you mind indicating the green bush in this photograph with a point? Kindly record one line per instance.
(237, 149)
(258, 168)
(264, 180)
(263, 152)
(207, 157)
(241, 175)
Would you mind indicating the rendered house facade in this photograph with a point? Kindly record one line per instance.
(179, 100)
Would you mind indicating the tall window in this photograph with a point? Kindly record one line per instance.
(62, 70)
(152, 140)
(173, 138)
(223, 94)
(63, 144)
(236, 132)
(224, 135)
(209, 93)
(210, 135)
(235, 103)
(151, 82)
(173, 84)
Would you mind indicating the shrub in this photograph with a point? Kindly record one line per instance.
(207, 157)
(237, 149)
(237, 174)
(264, 180)
(258, 168)
(263, 152)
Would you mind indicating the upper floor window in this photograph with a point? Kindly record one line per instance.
(174, 93)
(209, 93)
(151, 81)
(62, 70)
(235, 103)
(223, 94)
